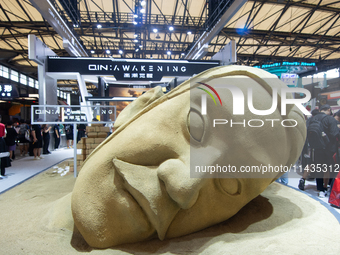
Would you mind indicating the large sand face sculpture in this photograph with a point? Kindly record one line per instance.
(136, 185)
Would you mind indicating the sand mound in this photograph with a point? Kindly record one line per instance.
(34, 220)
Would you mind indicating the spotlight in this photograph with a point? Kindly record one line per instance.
(135, 16)
(140, 46)
(155, 30)
(168, 52)
(120, 52)
(135, 35)
(137, 50)
(143, 3)
(171, 28)
(99, 26)
(142, 10)
(189, 32)
(108, 51)
(182, 53)
(135, 22)
(136, 40)
(92, 51)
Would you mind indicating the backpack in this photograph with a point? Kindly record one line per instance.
(23, 129)
(317, 138)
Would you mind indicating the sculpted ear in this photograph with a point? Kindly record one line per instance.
(139, 104)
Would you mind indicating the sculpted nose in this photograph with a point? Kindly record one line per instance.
(180, 187)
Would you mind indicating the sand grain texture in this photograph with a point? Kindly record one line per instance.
(280, 221)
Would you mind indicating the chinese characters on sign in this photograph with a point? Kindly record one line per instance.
(6, 91)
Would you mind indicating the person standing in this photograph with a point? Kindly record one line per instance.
(69, 135)
(56, 133)
(10, 139)
(24, 132)
(46, 138)
(3, 148)
(324, 156)
(37, 141)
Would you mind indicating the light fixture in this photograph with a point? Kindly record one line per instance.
(137, 49)
(158, 37)
(120, 52)
(135, 16)
(135, 35)
(99, 26)
(168, 52)
(135, 23)
(171, 28)
(182, 53)
(92, 51)
(108, 51)
(155, 30)
(140, 46)
(136, 40)
(142, 10)
(189, 32)
(143, 3)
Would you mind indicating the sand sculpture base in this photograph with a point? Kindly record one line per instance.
(279, 221)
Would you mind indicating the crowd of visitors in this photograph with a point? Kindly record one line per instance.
(32, 140)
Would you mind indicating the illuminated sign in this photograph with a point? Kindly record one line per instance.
(129, 69)
(285, 63)
(8, 91)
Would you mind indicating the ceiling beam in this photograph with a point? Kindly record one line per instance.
(71, 41)
(196, 51)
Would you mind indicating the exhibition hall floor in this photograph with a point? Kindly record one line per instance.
(23, 168)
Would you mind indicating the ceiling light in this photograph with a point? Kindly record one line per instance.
(92, 51)
(140, 46)
(136, 40)
(120, 52)
(143, 3)
(142, 10)
(135, 35)
(137, 50)
(99, 26)
(168, 52)
(108, 51)
(155, 30)
(182, 53)
(171, 28)
(135, 22)
(189, 32)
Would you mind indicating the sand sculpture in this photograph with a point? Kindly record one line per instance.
(136, 185)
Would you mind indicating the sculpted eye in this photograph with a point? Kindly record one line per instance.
(195, 124)
(231, 186)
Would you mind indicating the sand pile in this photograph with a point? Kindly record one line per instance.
(280, 221)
